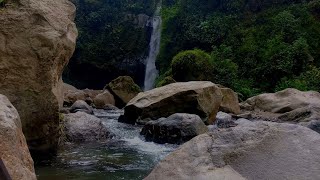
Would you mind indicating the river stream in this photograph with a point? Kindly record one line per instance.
(126, 156)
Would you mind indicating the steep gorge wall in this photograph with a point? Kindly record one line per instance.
(37, 39)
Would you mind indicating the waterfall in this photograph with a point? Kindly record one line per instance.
(151, 71)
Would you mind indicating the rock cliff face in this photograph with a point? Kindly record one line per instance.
(13, 147)
(37, 39)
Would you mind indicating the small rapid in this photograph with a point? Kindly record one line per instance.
(125, 156)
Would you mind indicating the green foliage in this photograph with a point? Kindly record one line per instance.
(191, 65)
(255, 48)
(2, 2)
(167, 80)
(110, 40)
(292, 83)
(314, 7)
(308, 80)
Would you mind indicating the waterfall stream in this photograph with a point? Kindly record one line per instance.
(154, 47)
(126, 156)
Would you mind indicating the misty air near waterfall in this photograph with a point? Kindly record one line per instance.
(159, 90)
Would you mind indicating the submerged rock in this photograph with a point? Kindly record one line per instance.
(196, 97)
(37, 39)
(124, 89)
(175, 129)
(251, 150)
(81, 106)
(83, 127)
(13, 147)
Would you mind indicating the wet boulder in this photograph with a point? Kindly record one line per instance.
(83, 127)
(251, 150)
(103, 99)
(123, 89)
(81, 106)
(202, 98)
(176, 129)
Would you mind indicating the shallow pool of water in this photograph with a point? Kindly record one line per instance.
(125, 156)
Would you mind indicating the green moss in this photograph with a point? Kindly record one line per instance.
(191, 65)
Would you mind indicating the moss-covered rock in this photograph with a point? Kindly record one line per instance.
(123, 89)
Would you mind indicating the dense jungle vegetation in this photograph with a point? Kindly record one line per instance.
(250, 46)
(113, 40)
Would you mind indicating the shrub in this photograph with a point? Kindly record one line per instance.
(308, 80)
(225, 72)
(191, 65)
(167, 80)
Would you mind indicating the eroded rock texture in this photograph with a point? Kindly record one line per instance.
(37, 39)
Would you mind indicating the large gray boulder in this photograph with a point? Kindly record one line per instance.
(282, 101)
(37, 39)
(176, 129)
(13, 146)
(83, 127)
(289, 105)
(196, 97)
(251, 150)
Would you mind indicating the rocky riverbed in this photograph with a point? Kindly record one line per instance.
(125, 156)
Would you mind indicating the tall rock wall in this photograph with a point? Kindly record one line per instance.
(37, 39)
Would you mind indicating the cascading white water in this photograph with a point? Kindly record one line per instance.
(124, 156)
(154, 47)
